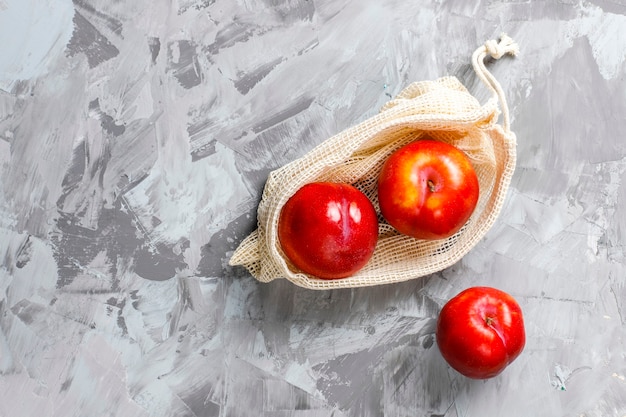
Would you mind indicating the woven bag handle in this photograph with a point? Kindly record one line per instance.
(495, 49)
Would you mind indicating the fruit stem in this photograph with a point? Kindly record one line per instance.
(431, 186)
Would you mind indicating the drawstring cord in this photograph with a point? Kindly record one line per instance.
(496, 50)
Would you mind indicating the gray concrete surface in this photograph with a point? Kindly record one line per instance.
(135, 140)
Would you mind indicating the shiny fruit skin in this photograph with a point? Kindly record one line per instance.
(328, 230)
(428, 189)
(480, 332)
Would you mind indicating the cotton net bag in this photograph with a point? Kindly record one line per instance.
(443, 110)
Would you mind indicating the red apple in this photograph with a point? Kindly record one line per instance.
(328, 230)
(480, 332)
(427, 189)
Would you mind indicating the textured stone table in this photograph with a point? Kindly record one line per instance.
(135, 141)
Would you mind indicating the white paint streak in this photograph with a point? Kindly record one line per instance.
(605, 34)
(32, 34)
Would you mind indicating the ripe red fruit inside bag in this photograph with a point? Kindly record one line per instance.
(328, 230)
(428, 189)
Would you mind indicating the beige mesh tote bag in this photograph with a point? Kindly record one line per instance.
(442, 109)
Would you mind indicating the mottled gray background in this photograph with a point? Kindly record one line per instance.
(135, 140)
